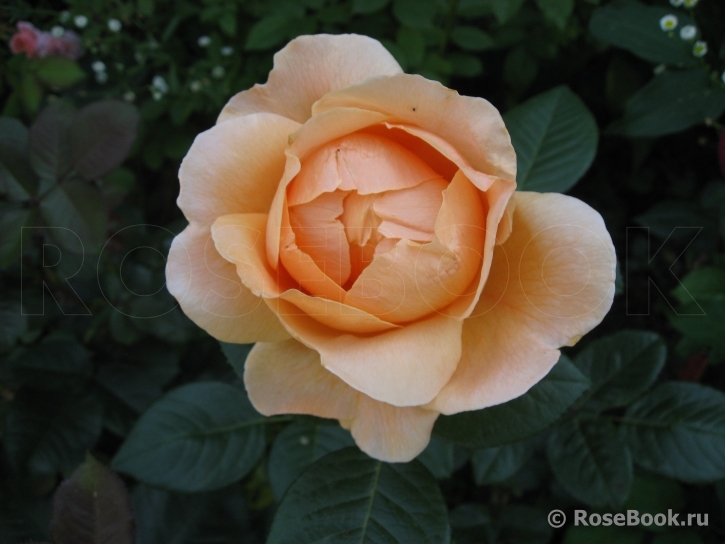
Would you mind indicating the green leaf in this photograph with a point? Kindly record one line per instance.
(678, 430)
(505, 9)
(525, 525)
(590, 462)
(621, 367)
(92, 507)
(556, 11)
(654, 495)
(368, 6)
(520, 68)
(702, 322)
(671, 102)
(636, 27)
(411, 42)
(77, 208)
(465, 65)
(31, 92)
(520, 418)
(349, 497)
(297, 447)
(48, 433)
(555, 137)
(59, 72)
(702, 283)
(415, 13)
(12, 322)
(101, 137)
(664, 218)
(472, 523)
(494, 465)
(55, 362)
(12, 221)
(199, 518)
(198, 437)
(17, 178)
(603, 535)
(471, 38)
(442, 458)
(267, 33)
(49, 141)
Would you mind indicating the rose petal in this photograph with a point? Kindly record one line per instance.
(234, 167)
(239, 239)
(390, 433)
(287, 378)
(333, 314)
(310, 137)
(309, 67)
(415, 208)
(550, 283)
(319, 233)
(403, 367)
(413, 280)
(472, 126)
(211, 294)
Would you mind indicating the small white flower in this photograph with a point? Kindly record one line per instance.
(80, 20)
(204, 41)
(158, 95)
(676, 3)
(159, 84)
(101, 77)
(64, 16)
(659, 69)
(688, 32)
(114, 25)
(195, 86)
(690, 3)
(668, 22)
(129, 96)
(227, 50)
(57, 31)
(218, 72)
(98, 66)
(723, 77)
(699, 49)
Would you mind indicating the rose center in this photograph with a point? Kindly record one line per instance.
(356, 198)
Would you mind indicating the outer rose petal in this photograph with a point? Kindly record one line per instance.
(390, 433)
(286, 377)
(472, 126)
(407, 366)
(308, 68)
(239, 239)
(234, 167)
(549, 284)
(210, 293)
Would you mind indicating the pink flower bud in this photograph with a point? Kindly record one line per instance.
(26, 40)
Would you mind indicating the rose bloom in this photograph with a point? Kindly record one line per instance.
(37, 44)
(361, 226)
(27, 39)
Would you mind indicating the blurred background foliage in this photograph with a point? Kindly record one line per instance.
(612, 102)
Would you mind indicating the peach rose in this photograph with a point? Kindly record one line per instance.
(361, 226)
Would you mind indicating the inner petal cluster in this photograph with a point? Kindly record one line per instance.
(356, 198)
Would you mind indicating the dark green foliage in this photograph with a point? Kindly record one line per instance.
(349, 497)
(97, 358)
